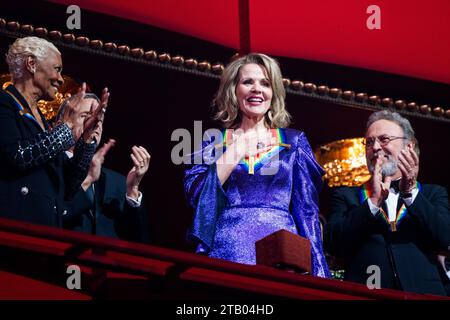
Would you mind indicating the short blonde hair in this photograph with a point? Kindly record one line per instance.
(23, 48)
(226, 100)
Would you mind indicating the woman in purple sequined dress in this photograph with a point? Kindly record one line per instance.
(257, 176)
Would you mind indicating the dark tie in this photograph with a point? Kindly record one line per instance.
(395, 185)
(90, 192)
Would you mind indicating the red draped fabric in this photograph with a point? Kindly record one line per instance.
(413, 39)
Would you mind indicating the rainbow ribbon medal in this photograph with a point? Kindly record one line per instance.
(254, 163)
(364, 194)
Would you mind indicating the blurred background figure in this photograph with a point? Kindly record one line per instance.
(107, 204)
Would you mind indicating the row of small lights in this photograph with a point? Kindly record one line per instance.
(205, 66)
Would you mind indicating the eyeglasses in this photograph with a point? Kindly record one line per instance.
(383, 140)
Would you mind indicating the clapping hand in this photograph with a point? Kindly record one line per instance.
(96, 117)
(379, 188)
(96, 164)
(141, 160)
(408, 163)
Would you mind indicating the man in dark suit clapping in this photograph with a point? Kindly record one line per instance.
(388, 230)
(108, 203)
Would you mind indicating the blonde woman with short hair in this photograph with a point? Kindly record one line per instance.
(258, 176)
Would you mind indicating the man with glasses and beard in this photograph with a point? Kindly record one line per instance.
(389, 230)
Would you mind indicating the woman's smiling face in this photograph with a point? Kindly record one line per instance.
(253, 91)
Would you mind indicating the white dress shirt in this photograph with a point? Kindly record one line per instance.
(391, 203)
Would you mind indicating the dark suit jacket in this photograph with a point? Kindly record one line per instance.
(362, 239)
(33, 183)
(114, 217)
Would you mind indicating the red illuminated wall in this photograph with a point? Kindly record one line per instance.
(413, 39)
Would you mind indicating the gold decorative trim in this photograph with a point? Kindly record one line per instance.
(294, 86)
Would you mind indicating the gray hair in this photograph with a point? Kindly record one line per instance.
(408, 131)
(23, 48)
(63, 107)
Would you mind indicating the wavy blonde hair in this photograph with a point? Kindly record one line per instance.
(226, 101)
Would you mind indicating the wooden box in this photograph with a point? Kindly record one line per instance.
(284, 250)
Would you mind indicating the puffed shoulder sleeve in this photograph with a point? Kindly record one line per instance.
(307, 184)
(204, 192)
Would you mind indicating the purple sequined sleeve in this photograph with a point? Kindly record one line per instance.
(194, 178)
(198, 170)
(307, 183)
(205, 194)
